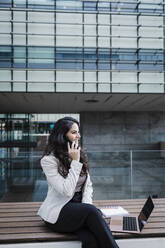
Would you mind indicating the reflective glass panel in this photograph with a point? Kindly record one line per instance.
(150, 55)
(90, 54)
(90, 6)
(124, 54)
(150, 8)
(40, 57)
(90, 65)
(103, 6)
(41, 4)
(68, 65)
(5, 56)
(151, 66)
(72, 5)
(19, 57)
(124, 7)
(104, 54)
(19, 3)
(103, 66)
(124, 66)
(68, 53)
(5, 3)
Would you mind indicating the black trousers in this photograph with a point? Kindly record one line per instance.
(87, 222)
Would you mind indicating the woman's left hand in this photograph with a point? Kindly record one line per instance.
(74, 151)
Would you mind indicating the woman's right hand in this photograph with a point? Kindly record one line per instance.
(74, 151)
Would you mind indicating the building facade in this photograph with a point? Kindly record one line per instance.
(82, 46)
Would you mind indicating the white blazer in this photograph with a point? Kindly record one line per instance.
(60, 189)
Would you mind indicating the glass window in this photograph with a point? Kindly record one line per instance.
(72, 5)
(151, 66)
(5, 56)
(104, 76)
(123, 7)
(103, 6)
(41, 4)
(90, 54)
(41, 40)
(69, 87)
(38, 16)
(90, 6)
(89, 41)
(19, 3)
(90, 76)
(148, 77)
(124, 19)
(151, 43)
(5, 15)
(103, 54)
(150, 8)
(151, 55)
(68, 41)
(41, 87)
(19, 75)
(69, 76)
(41, 28)
(103, 66)
(19, 86)
(5, 3)
(5, 86)
(69, 58)
(124, 66)
(41, 76)
(69, 65)
(90, 65)
(40, 57)
(68, 53)
(123, 54)
(124, 42)
(68, 18)
(19, 57)
(63, 29)
(125, 77)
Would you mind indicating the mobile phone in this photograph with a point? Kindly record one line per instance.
(68, 140)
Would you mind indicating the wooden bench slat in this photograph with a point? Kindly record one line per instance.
(21, 224)
(149, 228)
(25, 206)
(34, 209)
(29, 237)
(18, 210)
(2, 215)
(39, 229)
(31, 214)
(20, 219)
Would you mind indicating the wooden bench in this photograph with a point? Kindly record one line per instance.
(19, 222)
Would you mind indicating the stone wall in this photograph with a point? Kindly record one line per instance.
(111, 131)
(120, 151)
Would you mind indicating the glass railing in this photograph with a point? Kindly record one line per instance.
(115, 175)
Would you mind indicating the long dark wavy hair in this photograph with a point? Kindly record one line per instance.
(57, 144)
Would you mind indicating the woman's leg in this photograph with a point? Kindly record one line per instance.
(76, 216)
(87, 238)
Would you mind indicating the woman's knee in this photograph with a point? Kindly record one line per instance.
(92, 209)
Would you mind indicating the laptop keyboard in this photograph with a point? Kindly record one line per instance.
(129, 224)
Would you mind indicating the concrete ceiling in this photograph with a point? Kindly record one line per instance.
(74, 103)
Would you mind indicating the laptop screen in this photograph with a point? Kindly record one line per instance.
(145, 212)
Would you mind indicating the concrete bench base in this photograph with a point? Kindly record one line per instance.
(123, 243)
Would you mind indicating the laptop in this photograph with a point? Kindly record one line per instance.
(132, 224)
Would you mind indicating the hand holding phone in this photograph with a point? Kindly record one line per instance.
(74, 150)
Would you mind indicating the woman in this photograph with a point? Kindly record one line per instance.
(68, 205)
